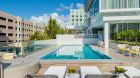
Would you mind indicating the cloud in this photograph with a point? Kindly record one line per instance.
(80, 5)
(64, 7)
(43, 19)
(71, 6)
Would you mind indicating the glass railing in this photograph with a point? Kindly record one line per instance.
(86, 35)
(32, 47)
(20, 48)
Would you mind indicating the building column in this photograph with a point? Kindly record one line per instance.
(106, 35)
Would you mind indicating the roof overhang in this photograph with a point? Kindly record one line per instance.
(122, 19)
(129, 10)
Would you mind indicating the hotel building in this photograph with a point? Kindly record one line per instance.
(15, 28)
(77, 18)
(110, 16)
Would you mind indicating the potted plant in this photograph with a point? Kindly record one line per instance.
(120, 72)
(71, 72)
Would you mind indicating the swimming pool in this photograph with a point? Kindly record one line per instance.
(72, 52)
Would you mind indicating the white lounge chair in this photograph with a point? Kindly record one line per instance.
(40, 76)
(131, 71)
(101, 76)
(86, 70)
(59, 71)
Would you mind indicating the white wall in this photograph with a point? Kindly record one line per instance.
(46, 42)
(67, 40)
(70, 40)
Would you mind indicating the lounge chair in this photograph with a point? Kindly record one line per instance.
(85, 70)
(58, 71)
(100, 44)
(100, 76)
(122, 48)
(136, 50)
(131, 72)
(41, 76)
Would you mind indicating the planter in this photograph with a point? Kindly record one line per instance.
(71, 75)
(121, 75)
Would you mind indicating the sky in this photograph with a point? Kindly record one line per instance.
(40, 10)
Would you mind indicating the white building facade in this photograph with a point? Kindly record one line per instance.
(111, 16)
(77, 17)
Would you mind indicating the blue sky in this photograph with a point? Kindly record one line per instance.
(29, 8)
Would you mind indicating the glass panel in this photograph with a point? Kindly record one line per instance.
(113, 29)
(104, 4)
(124, 26)
(124, 3)
(133, 26)
(120, 27)
(117, 4)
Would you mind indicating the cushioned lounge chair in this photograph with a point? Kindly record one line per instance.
(58, 71)
(85, 70)
(41, 76)
(100, 76)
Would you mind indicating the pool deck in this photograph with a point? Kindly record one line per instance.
(117, 57)
(106, 66)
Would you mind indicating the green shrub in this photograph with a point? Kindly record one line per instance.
(71, 70)
(130, 37)
(120, 70)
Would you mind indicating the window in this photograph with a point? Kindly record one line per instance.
(2, 26)
(103, 4)
(72, 19)
(118, 4)
(72, 15)
(2, 18)
(10, 20)
(120, 27)
(10, 41)
(11, 28)
(19, 23)
(2, 34)
(16, 28)
(76, 19)
(124, 26)
(10, 34)
(133, 26)
(16, 22)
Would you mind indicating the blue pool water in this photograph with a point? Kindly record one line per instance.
(75, 52)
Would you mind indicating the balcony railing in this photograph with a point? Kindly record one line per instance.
(86, 35)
